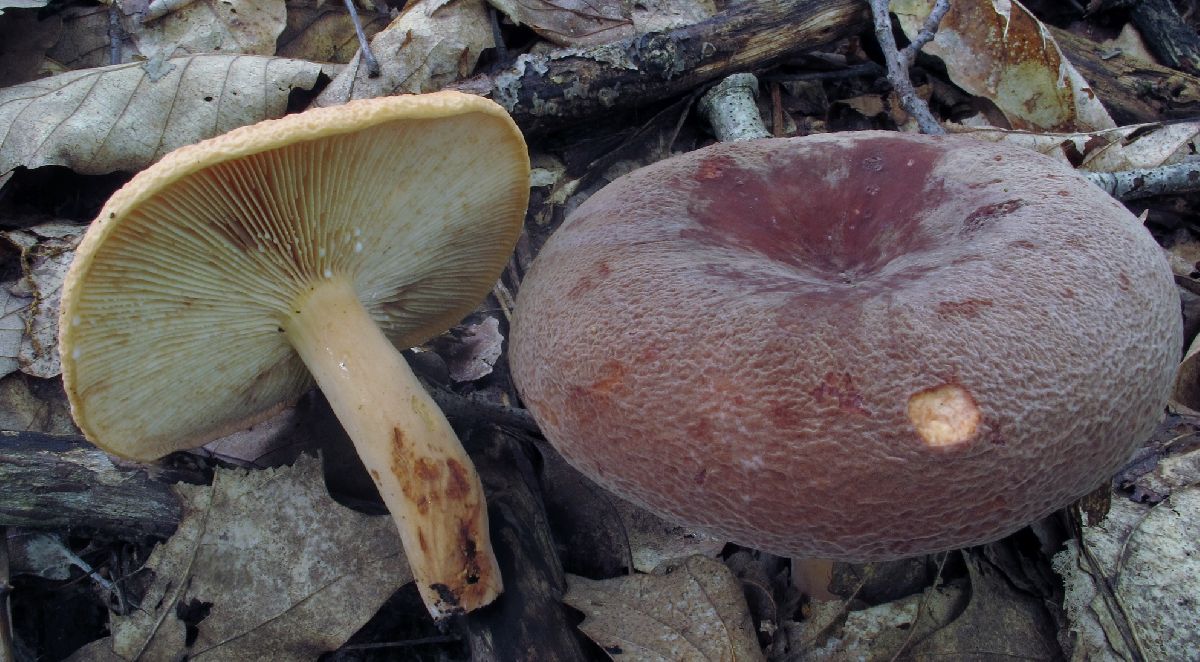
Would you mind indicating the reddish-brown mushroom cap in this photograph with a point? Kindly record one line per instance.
(852, 346)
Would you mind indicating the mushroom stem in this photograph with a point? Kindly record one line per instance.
(417, 462)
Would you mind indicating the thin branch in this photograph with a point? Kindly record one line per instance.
(364, 45)
(1145, 182)
(928, 30)
(897, 68)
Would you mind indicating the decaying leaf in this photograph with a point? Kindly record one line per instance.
(1109, 150)
(996, 49)
(688, 610)
(984, 617)
(430, 45)
(1134, 583)
(121, 117)
(12, 326)
(470, 350)
(323, 32)
(607, 534)
(46, 253)
(170, 28)
(575, 23)
(270, 567)
(35, 405)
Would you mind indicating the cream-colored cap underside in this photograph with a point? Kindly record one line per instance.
(171, 326)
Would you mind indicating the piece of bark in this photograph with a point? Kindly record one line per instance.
(1168, 37)
(543, 91)
(64, 483)
(528, 621)
(1132, 90)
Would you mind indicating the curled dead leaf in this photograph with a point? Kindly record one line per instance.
(997, 49)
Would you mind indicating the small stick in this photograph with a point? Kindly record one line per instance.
(898, 62)
(731, 110)
(1181, 177)
(364, 46)
(114, 35)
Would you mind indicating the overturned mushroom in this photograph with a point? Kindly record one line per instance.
(218, 280)
(853, 346)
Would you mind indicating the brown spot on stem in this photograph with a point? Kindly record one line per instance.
(458, 485)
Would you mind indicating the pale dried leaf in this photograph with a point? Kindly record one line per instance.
(572, 23)
(101, 120)
(35, 405)
(690, 610)
(996, 49)
(1110, 150)
(22, 4)
(176, 29)
(46, 254)
(24, 39)
(38, 554)
(1147, 554)
(12, 326)
(432, 44)
(654, 540)
(288, 572)
(470, 350)
(323, 31)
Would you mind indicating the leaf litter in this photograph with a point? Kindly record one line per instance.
(273, 566)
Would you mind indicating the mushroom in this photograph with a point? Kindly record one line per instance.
(217, 281)
(856, 347)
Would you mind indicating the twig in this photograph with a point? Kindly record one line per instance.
(1125, 185)
(732, 111)
(114, 35)
(898, 62)
(364, 46)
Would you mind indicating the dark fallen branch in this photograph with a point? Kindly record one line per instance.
(63, 483)
(528, 620)
(545, 90)
(1134, 91)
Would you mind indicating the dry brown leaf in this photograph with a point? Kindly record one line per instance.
(1146, 555)
(574, 23)
(689, 610)
(1109, 150)
(12, 327)
(470, 350)
(35, 405)
(996, 49)
(323, 32)
(121, 118)
(432, 44)
(46, 253)
(175, 28)
(284, 572)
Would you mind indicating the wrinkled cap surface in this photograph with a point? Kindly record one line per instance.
(170, 331)
(849, 346)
